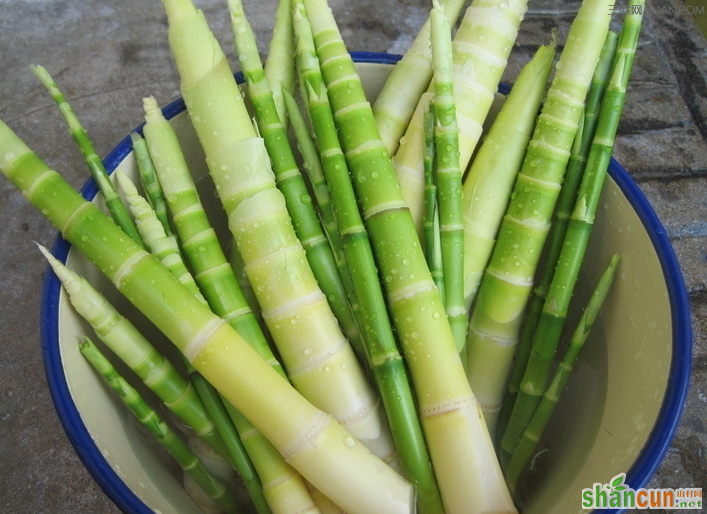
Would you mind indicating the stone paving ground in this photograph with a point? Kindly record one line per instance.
(108, 55)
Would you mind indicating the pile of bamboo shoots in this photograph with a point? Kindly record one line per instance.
(377, 341)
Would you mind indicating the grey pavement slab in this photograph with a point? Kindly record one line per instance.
(107, 55)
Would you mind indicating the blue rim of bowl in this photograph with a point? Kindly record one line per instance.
(643, 469)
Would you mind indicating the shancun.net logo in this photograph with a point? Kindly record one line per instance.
(618, 495)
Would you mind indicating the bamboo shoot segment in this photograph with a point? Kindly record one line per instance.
(151, 230)
(121, 336)
(318, 358)
(569, 262)
(402, 90)
(481, 47)
(488, 184)
(457, 443)
(493, 329)
(382, 353)
(292, 424)
(283, 488)
(199, 241)
(279, 69)
(449, 176)
(240, 167)
(212, 486)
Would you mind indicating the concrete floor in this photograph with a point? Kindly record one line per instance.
(108, 55)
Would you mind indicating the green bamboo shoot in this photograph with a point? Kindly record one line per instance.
(531, 436)
(115, 206)
(402, 90)
(318, 358)
(384, 358)
(506, 284)
(314, 443)
(430, 182)
(313, 168)
(481, 48)
(449, 175)
(554, 312)
(152, 232)
(187, 460)
(462, 454)
(149, 181)
(279, 70)
(431, 231)
(565, 202)
(488, 184)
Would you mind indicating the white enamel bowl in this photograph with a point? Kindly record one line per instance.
(618, 414)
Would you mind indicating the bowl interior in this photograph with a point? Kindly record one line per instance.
(599, 429)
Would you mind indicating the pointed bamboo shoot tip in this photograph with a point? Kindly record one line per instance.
(153, 114)
(127, 185)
